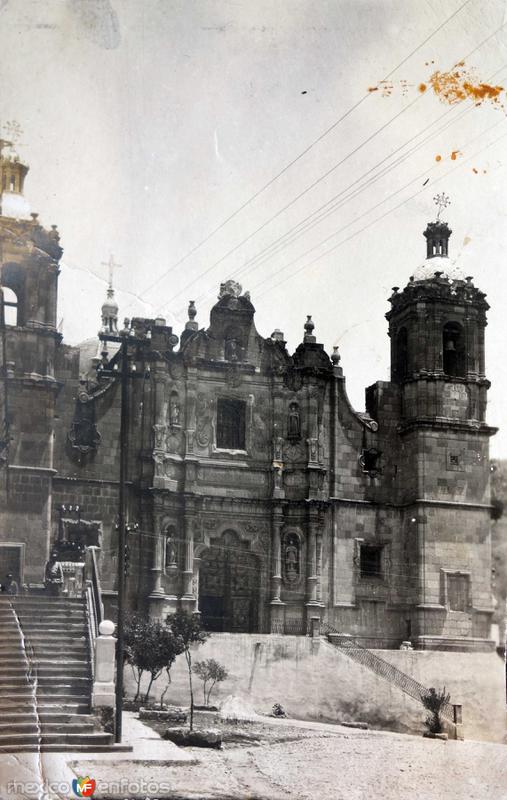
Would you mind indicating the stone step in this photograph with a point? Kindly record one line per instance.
(22, 602)
(62, 705)
(42, 663)
(67, 748)
(53, 627)
(55, 738)
(14, 680)
(67, 718)
(16, 691)
(36, 726)
(26, 717)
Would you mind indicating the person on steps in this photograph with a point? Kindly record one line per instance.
(53, 575)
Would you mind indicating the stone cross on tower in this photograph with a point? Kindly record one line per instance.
(10, 134)
(441, 201)
(111, 266)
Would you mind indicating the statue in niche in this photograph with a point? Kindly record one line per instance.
(294, 422)
(278, 448)
(291, 559)
(175, 412)
(232, 350)
(83, 435)
(170, 550)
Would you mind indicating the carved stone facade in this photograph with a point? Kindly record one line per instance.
(263, 499)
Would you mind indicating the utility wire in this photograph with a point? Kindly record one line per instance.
(353, 152)
(302, 153)
(373, 222)
(368, 211)
(328, 208)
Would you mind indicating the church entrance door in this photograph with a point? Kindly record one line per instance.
(229, 583)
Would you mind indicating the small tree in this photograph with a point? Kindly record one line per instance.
(434, 702)
(210, 671)
(150, 647)
(188, 629)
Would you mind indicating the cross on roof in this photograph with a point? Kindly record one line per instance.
(111, 266)
(441, 201)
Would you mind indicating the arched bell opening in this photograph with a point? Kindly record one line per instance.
(453, 347)
(229, 585)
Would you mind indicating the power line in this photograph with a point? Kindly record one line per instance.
(368, 211)
(373, 222)
(302, 153)
(312, 185)
(307, 223)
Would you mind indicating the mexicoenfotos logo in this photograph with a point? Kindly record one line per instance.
(83, 787)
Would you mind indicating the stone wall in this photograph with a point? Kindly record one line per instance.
(313, 680)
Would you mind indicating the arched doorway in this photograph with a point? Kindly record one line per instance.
(229, 585)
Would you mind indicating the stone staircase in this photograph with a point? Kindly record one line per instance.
(45, 677)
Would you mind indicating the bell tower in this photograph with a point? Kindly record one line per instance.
(437, 325)
(437, 329)
(29, 268)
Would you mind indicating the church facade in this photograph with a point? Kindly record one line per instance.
(256, 495)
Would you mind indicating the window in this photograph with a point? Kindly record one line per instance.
(231, 424)
(370, 461)
(458, 593)
(370, 561)
(453, 350)
(10, 309)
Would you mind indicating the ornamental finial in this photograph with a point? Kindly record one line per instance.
(441, 201)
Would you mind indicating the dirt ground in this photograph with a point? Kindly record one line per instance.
(305, 761)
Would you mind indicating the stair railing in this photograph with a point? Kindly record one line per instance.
(93, 594)
(351, 647)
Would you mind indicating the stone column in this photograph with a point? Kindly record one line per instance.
(318, 570)
(311, 576)
(188, 598)
(197, 567)
(277, 607)
(158, 561)
(157, 596)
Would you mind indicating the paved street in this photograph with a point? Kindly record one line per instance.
(316, 762)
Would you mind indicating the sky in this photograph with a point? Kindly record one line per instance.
(149, 124)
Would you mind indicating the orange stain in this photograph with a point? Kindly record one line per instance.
(455, 154)
(460, 84)
(373, 88)
(438, 158)
(422, 87)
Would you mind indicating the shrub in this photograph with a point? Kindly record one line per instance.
(187, 628)
(210, 671)
(149, 647)
(434, 702)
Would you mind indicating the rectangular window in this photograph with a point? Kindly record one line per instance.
(231, 424)
(458, 592)
(371, 561)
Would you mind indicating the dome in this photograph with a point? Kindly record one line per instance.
(447, 266)
(109, 308)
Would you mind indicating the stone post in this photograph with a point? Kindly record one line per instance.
(103, 693)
